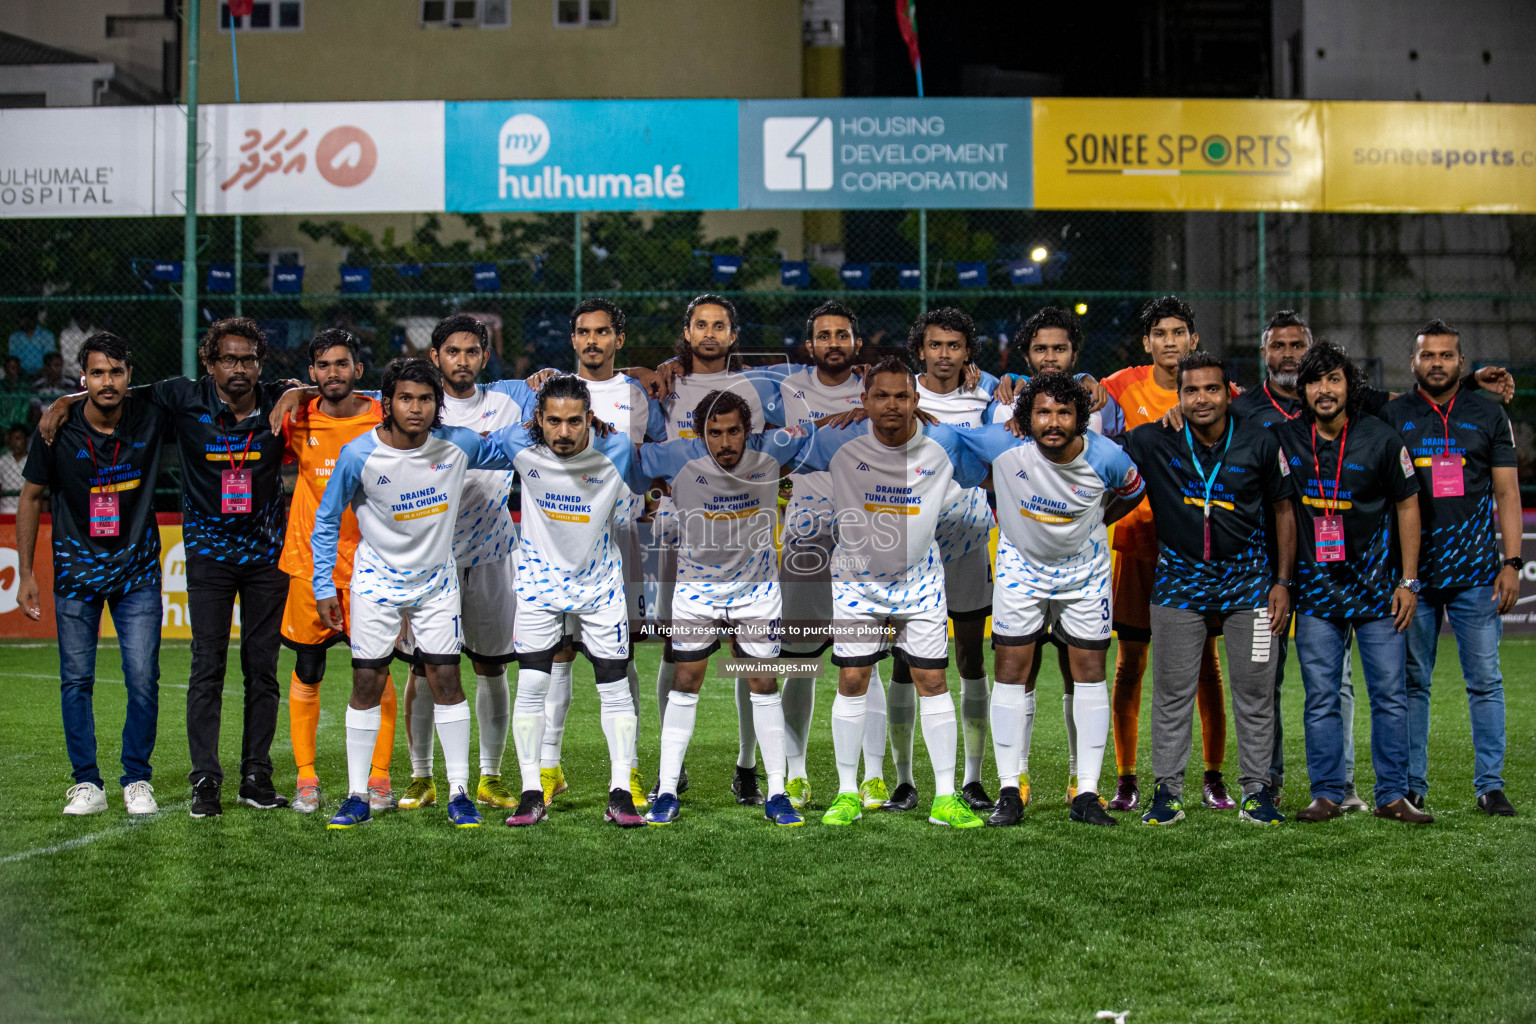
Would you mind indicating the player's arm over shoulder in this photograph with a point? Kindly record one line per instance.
(970, 471)
(620, 451)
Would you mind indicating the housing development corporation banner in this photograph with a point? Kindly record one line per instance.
(889, 153)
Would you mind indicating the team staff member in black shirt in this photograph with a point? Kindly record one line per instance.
(1464, 455)
(106, 553)
(233, 518)
(1349, 472)
(1211, 481)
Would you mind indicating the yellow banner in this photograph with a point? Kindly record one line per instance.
(174, 622)
(1177, 155)
(1429, 157)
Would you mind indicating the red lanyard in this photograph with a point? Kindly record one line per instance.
(1338, 475)
(245, 453)
(1445, 417)
(1271, 397)
(98, 474)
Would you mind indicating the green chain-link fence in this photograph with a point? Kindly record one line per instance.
(1366, 281)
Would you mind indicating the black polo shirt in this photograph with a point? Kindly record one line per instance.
(1376, 474)
(1264, 408)
(1238, 574)
(82, 461)
(209, 441)
(1459, 547)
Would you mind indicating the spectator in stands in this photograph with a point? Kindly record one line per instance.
(30, 343)
(73, 336)
(51, 384)
(15, 396)
(11, 463)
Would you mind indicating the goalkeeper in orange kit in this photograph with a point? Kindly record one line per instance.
(313, 440)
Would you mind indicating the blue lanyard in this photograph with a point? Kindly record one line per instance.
(1207, 482)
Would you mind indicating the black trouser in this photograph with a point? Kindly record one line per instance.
(211, 590)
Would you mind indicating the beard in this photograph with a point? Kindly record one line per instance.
(1285, 380)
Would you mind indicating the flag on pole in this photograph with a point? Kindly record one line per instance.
(906, 20)
(240, 8)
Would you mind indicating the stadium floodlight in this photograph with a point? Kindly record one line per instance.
(1039, 253)
(1081, 308)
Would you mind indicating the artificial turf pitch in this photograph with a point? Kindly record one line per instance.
(267, 916)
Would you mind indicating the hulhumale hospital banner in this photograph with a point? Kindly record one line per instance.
(561, 155)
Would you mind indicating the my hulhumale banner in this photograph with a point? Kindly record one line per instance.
(882, 154)
(591, 155)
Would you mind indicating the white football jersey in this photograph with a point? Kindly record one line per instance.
(485, 532)
(623, 403)
(407, 503)
(887, 500)
(966, 521)
(1054, 514)
(725, 517)
(759, 390)
(568, 504)
(806, 399)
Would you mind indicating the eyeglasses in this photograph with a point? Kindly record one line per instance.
(243, 362)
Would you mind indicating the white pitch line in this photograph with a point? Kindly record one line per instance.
(39, 675)
(71, 844)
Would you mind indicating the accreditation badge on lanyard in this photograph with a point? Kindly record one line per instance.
(1328, 528)
(105, 517)
(235, 483)
(1446, 479)
(1207, 482)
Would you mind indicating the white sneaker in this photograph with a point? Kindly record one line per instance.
(85, 798)
(139, 798)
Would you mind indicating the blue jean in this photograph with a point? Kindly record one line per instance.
(1475, 620)
(1346, 717)
(1321, 650)
(137, 618)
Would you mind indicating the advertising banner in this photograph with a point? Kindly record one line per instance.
(1177, 155)
(14, 624)
(305, 158)
(77, 162)
(885, 154)
(1430, 157)
(591, 155)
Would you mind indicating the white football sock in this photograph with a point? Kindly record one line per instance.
(874, 727)
(557, 705)
(664, 676)
(901, 707)
(362, 734)
(1066, 712)
(847, 740)
(529, 722)
(1008, 703)
(1029, 731)
(939, 737)
(746, 736)
(419, 728)
(799, 704)
(768, 721)
(1091, 711)
(493, 709)
(619, 726)
(632, 674)
(682, 714)
(973, 713)
(453, 733)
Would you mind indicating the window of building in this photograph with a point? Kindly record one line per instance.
(584, 13)
(465, 13)
(266, 16)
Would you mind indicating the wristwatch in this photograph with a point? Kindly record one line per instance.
(1515, 563)
(1281, 581)
(1412, 586)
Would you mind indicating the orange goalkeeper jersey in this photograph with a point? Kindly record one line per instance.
(1142, 400)
(316, 445)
